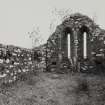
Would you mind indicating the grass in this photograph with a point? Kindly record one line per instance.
(55, 89)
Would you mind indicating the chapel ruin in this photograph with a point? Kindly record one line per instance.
(78, 45)
(78, 41)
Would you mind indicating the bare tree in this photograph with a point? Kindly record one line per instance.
(94, 17)
(62, 13)
(35, 36)
(58, 17)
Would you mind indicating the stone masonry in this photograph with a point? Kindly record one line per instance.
(57, 45)
(53, 55)
(15, 61)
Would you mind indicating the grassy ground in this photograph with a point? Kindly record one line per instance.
(55, 89)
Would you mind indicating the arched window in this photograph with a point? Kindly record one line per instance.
(69, 46)
(67, 42)
(84, 42)
(84, 45)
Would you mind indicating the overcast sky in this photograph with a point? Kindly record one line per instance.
(18, 17)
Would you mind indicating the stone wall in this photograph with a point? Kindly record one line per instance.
(15, 61)
(76, 24)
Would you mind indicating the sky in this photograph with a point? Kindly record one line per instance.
(18, 17)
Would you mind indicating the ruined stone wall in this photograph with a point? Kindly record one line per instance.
(53, 55)
(15, 61)
(75, 23)
(42, 56)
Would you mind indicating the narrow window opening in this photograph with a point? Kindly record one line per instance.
(69, 46)
(84, 45)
